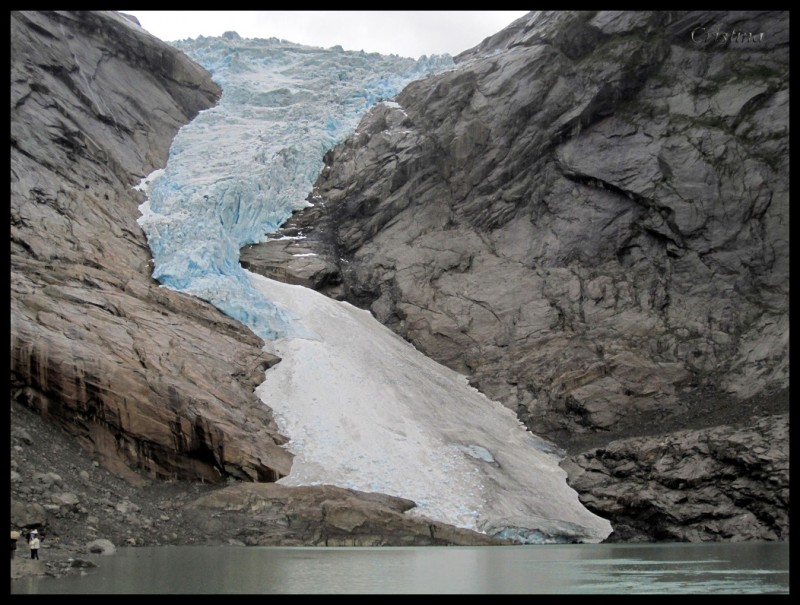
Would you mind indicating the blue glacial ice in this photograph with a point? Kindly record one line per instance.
(240, 169)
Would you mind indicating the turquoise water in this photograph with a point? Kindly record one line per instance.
(761, 568)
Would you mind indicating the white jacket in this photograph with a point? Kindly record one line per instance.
(34, 543)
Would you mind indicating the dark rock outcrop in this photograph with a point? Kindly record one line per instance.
(708, 485)
(589, 218)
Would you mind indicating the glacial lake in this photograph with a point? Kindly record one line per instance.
(680, 568)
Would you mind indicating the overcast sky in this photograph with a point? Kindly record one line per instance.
(406, 33)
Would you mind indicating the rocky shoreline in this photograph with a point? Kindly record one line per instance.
(87, 512)
(57, 562)
(78, 504)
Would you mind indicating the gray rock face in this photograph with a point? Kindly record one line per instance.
(141, 376)
(691, 486)
(586, 234)
(588, 218)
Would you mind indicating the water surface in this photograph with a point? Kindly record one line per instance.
(761, 568)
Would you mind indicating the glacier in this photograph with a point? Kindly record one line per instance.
(362, 408)
(366, 410)
(239, 169)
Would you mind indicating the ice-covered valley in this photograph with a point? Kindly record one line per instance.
(362, 408)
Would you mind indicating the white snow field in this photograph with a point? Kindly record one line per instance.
(365, 410)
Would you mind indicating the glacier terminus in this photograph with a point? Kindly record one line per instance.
(362, 408)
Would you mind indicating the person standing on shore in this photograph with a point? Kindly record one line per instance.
(14, 538)
(34, 545)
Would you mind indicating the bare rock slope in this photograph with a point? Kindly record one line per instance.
(143, 377)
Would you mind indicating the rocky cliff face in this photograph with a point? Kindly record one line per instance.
(589, 218)
(144, 378)
(721, 483)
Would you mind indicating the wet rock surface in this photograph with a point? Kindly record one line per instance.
(727, 483)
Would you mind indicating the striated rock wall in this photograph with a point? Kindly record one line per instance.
(142, 377)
